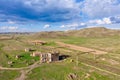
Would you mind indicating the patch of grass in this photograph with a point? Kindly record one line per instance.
(75, 40)
(3, 59)
(50, 72)
(51, 43)
(8, 75)
(60, 71)
(24, 60)
(108, 44)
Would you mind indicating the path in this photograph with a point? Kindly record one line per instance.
(101, 69)
(83, 49)
(23, 70)
(5, 68)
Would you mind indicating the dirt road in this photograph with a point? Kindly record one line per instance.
(83, 49)
(23, 70)
(5, 68)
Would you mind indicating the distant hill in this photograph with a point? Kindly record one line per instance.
(86, 32)
(94, 32)
(51, 34)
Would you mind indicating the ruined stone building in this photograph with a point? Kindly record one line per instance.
(36, 54)
(38, 42)
(47, 57)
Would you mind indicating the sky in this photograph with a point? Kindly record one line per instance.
(58, 15)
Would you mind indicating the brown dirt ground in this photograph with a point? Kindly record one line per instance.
(83, 49)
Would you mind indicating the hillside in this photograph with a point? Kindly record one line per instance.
(86, 32)
(94, 32)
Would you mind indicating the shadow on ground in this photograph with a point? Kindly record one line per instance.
(62, 57)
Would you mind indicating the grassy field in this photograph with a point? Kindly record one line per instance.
(109, 44)
(108, 62)
(8, 75)
(84, 66)
(100, 70)
(61, 71)
(9, 49)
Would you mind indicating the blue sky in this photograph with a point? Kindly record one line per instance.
(52, 15)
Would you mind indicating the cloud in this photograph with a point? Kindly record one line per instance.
(56, 10)
(115, 19)
(12, 27)
(3, 28)
(39, 10)
(11, 22)
(63, 26)
(9, 28)
(73, 26)
(70, 26)
(100, 21)
(106, 20)
(46, 26)
(100, 9)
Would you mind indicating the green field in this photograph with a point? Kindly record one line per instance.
(8, 75)
(60, 71)
(84, 66)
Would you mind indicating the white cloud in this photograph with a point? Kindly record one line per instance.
(97, 21)
(90, 26)
(11, 22)
(74, 26)
(46, 26)
(82, 24)
(93, 23)
(115, 19)
(101, 21)
(63, 26)
(107, 20)
(100, 9)
(3, 28)
(10, 28)
(39, 4)
(57, 8)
